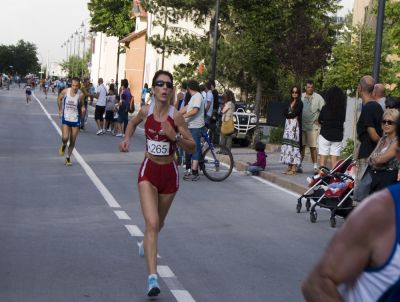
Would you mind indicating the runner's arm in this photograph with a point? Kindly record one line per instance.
(349, 252)
(59, 101)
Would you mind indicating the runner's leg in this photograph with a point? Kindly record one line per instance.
(72, 139)
(149, 203)
(65, 134)
(164, 204)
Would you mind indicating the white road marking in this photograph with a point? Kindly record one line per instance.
(134, 230)
(182, 296)
(164, 271)
(122, 215)
(93, 177)
(275, 186)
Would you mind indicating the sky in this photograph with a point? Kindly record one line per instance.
(49, 23)
(46, 23)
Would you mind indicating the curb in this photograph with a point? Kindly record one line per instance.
(280, 181)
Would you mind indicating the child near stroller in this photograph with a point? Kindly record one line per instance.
(323, 178)
(336, 196)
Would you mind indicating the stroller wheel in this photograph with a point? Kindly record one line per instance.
(333, 222)
(313, 216)
(298, 207)
(308, 204)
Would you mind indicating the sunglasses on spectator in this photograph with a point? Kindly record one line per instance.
(388, 122)
(295, 92)
(160, 83)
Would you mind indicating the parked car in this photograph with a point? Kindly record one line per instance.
(244, 123)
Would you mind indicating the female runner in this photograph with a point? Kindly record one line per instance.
(158, 178)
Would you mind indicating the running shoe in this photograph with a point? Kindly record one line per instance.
(68, 162)
(99, 132)
(62, 149)
(153, 289)
(141, 248)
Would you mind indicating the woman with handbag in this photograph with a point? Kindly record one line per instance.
(291, 143)
(227, 128)
(382, 163)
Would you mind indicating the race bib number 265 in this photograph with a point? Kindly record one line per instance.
(157, 148)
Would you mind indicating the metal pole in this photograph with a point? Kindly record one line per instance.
(378, 39)
(83, 54)
(214, 48)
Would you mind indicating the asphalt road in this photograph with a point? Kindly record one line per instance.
(69, 233)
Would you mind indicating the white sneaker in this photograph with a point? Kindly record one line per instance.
(119, 135)
(108, 130)
(99, 132)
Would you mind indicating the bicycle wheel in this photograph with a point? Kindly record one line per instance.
(217, 164)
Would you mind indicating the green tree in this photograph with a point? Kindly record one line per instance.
(112, 17)
(21, 56)
(352, 57)
(76, 66)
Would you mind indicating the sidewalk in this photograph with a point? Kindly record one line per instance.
(274, 170)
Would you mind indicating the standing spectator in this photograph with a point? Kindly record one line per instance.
(86, 92)
(379, 94)
(194, 114)
(382, 163)
(331, 119)
(124, 104)
(312, 105)
(214, 134)
(209, 103)
(145, 90)
(110, 106)
(369, 131)
(291, 143)
(392, 102)
(101, 94)
(181, 97)
(227, 112)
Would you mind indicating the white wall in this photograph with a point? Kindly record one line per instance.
(104, 60)
(153, 60)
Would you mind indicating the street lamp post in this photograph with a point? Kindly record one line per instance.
(83, 51)
(215, 41)
(70, 56)
(378, 40)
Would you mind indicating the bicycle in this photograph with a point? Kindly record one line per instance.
(217, 161)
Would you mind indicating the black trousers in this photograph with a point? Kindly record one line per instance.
(382, 179)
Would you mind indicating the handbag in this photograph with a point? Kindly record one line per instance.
(227, 126)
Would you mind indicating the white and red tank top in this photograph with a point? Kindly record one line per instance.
(156, 143)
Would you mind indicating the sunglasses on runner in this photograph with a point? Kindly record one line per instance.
(388, 122)
(160, 83)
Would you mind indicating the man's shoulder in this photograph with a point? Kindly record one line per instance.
(373, 106)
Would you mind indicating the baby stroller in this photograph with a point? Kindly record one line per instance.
(324, 177)
(336, 196)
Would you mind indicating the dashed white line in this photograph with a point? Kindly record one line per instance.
(164, 271)
(182, 295)
(122, 215)
(134, 230)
